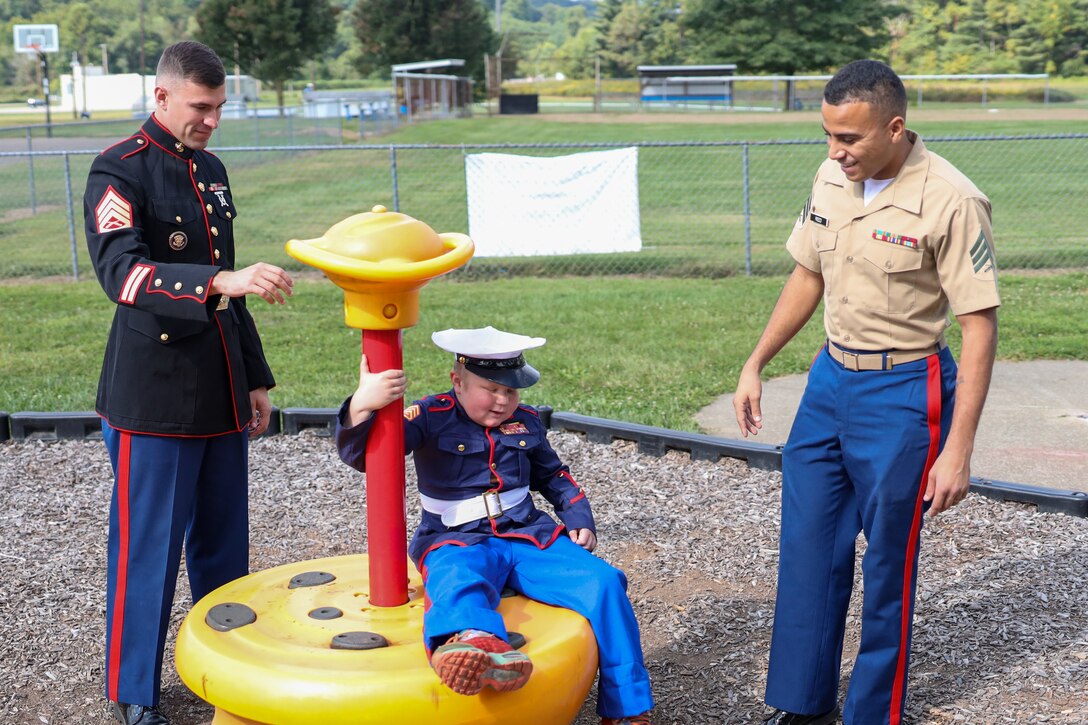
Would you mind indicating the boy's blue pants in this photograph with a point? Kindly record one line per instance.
(857, 459)
(167, 490)
(464, 584)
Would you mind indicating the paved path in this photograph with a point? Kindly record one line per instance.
(1034, 428)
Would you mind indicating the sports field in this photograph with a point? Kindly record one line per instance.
(650, 349)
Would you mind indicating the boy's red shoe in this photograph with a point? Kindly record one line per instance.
(473, 659)
(643, 719)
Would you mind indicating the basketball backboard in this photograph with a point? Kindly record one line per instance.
(34, 39)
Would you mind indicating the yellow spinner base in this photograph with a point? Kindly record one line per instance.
(289, 645)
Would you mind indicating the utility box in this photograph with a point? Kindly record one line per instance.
(513, 103)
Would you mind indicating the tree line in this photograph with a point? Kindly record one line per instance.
(280, 41)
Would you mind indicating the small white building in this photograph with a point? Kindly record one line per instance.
(88, 89)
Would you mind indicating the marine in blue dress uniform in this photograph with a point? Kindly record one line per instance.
(184, 379)
(892, 240)
(479, 454)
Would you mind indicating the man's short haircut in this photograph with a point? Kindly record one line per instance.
(868, 81)
(190, 61)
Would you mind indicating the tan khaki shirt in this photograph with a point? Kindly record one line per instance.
(893, 269)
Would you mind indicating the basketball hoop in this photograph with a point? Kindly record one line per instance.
(36, 39)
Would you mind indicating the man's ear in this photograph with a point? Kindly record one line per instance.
(160, 97)
(897, 127)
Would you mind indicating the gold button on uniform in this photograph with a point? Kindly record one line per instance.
(177, 285)
(215, 232)
(217, 254)
(209, 208)
(178, 218)
(158, 283)
(200, 186)
(461, 447)
(200, 290)
(229, 216)
(493, 465)
(194, 167)
(164, 337)
(521, 443)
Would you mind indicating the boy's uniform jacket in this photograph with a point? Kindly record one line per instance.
(458, 459)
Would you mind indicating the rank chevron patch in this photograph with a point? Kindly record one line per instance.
(982, 257)
(113, 212)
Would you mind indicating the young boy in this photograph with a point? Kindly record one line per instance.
(477, 454)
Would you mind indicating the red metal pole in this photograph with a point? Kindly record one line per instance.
(385, 504)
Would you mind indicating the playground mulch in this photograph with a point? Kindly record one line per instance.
(1001, 629)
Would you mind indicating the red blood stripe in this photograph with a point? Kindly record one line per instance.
(123, 461)
(933, 395)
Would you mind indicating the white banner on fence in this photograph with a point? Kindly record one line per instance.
(521, 206)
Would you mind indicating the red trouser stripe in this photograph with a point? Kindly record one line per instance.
(123, 460)
(933, 395)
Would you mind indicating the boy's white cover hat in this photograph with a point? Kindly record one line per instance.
(492, 354)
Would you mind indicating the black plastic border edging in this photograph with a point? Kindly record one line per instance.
(656, 441)
(651, 441)
(82, 425)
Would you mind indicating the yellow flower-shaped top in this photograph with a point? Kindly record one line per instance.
(381, 259)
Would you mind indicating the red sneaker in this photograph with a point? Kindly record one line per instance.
(643, 719)
(473, 659)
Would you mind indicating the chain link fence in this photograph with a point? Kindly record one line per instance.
(706, 209)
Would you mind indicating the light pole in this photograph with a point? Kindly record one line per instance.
(105, 60)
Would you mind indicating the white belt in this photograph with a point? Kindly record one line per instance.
(489, 505)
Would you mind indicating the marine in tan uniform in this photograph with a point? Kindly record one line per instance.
(892, 239)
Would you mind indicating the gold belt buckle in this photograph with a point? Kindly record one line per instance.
(224, 303)
(492, 504)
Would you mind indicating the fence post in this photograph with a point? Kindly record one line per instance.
(71, 215)
(747, 214)
(30, 163)
(393, 166)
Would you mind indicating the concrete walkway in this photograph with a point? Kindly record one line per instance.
(1034, 429)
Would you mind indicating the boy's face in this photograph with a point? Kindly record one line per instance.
(487, 403)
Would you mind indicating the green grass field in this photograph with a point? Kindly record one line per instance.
(648, 337)
(691, 196)
(651, 351)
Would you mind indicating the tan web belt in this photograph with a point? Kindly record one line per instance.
(879, 360)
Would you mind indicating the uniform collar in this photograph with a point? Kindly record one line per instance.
(905, 192)
(910, 182)
(165, 140)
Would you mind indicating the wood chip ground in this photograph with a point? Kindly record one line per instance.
(1000, 636)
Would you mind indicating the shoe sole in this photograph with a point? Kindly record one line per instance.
(468, 670)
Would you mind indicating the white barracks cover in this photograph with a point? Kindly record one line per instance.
(584, 203)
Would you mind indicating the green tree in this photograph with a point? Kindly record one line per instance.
(637, 32)
(403, 31)
(268, 39)
(786, 37)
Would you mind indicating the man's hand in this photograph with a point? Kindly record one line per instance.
(266, 280)
(949, 480)
(584, 538)
(746, 402)
(375, 391)
(262, 411)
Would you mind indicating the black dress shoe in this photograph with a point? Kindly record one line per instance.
(781, 717)
(137, 714)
